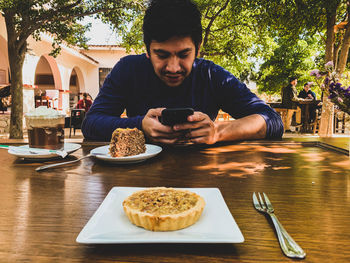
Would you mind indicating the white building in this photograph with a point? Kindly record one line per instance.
(59, 81)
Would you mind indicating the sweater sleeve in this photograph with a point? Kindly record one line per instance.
(104, 115)
(237, 100)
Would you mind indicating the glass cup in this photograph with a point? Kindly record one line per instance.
(45, 131)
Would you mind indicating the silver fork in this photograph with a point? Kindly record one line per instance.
(289, 247)
(40, 168)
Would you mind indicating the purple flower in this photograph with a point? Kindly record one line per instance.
(338, 86)
(326, 81)
(332, 95)
(329, 65)
(347, 93)
(337, 93)
(314, 72)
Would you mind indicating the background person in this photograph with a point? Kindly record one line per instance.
(169, 75)
(85, 103)
(308, 94)
(290, 101)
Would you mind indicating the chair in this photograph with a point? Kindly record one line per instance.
(284, 112)
(5, 98)
(76, 120)
(339, 121)
(316, 123)
(3, 108)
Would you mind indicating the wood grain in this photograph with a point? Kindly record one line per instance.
(43, 212)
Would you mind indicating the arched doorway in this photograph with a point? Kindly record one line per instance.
(76, 86)
(48, 80)
(4, 65)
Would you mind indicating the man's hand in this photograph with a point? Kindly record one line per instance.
(199, 129)
(157, 132)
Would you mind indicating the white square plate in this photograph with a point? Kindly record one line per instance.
(110, 225)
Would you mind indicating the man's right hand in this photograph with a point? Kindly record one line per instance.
(157, 132)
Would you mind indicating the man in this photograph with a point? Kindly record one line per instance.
(169, 75)
(290, 101)
(307, 93)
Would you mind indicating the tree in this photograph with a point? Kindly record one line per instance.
(305, 18)
(232, 36)
(290, 58)
(59, 18)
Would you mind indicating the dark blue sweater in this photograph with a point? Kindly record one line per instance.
(133, 85)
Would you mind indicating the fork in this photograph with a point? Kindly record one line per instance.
(289, 247)
(40, 168)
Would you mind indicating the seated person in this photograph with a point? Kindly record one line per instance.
(170, 76)
(290, 101)
(85, 103)
(307, 93)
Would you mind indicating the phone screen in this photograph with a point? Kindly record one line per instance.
(172, 116)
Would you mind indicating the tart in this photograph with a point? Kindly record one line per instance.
(163, 209)
(127, 142)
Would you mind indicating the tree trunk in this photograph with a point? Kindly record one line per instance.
(16, 55)
(327, 118)
(208, 28)
(16, 124)
(336, 54)
(326, 125)
(330, 36)
(343, 57)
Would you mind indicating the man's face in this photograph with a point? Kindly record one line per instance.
(294, 82)
(306, 88)
(172, 60)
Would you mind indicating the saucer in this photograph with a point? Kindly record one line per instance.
(68, 147)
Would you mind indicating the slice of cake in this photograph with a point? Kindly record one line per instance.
(126, 142)
(163, 209)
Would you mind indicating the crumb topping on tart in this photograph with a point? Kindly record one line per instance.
(163, 209)
(162, 201)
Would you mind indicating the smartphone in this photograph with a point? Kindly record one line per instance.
(172, 116)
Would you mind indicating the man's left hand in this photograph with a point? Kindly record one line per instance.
(199, 128)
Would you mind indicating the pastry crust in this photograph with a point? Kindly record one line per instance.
(163, 209)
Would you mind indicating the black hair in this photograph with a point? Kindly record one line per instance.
(292, 78)
(307, 83)
(168, 18)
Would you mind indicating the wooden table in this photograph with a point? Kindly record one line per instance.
(43, 212)
(305, 114)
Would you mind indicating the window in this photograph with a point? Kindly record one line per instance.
(44, 79)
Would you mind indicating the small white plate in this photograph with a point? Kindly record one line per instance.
(110, 225)
(102, 153)
(68, 147)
